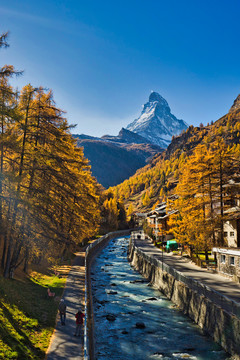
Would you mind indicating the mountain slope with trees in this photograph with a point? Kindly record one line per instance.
(159, 178)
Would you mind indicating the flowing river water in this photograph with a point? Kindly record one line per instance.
(122, 298)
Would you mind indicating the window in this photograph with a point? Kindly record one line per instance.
(232, 260)
(223, 259)
(225, 234)
(231, 233)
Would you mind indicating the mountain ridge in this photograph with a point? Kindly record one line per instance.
(156, 122)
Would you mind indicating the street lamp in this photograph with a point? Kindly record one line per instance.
(156, 229)
(162, 246)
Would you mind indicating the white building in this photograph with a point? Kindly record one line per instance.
(228, 258)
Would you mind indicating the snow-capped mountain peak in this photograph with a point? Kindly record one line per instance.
(156, 122)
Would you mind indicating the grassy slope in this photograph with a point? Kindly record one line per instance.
(27, 315)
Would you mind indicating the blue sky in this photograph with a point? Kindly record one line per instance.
(103, 58)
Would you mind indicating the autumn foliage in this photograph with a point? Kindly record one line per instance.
(48, 199)
(197, 166)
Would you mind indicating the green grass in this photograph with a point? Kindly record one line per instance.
(27, 315)
(203, 257)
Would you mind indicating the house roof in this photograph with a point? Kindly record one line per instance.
(231, 183)
(161, 209)
(228, 251)
(168, 214)
(233, 213)
(141, 214)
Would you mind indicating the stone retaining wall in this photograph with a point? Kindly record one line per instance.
(222, 326)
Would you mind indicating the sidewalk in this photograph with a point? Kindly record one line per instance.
(63, 344)
(216, 282)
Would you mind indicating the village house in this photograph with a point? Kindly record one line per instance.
(139, 218)
(228, 257)
(158, 220)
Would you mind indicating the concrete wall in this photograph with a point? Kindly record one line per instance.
(91, 252)
(222, 326)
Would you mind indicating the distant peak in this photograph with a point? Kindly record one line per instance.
(236, 104)
(154, 96)
(156, 123)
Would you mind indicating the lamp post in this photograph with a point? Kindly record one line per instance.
(156, 229)
(162, 245)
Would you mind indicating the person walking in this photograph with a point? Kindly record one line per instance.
(62, 310)
(79, 321)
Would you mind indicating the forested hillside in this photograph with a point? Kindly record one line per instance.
(48, 199)
(113, 162)
(152, 183)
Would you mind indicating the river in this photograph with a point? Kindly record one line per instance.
(122, 299)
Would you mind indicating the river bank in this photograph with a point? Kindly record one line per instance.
(217, 322)
(122, 299)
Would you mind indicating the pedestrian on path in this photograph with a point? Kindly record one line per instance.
(79, 321)
(62, 311)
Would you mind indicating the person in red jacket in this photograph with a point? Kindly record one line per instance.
(79, 321)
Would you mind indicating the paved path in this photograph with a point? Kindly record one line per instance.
(214, 281)
(63, 344)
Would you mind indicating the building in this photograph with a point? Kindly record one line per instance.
(158, 220)
(228, 258)
(139, 218)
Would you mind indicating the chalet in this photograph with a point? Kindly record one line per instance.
(139, 218)
(231, 227)
(158, 220)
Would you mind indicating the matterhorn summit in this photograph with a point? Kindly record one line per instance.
(156, 122)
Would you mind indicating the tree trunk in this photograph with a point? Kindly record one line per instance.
(4, 251)
(6, 272)
(206, 255)
(26, 261)
(16, 253)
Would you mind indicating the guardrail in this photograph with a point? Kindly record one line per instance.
(223, 301)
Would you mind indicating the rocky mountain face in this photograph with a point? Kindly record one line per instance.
(236, 105)
(156, 123)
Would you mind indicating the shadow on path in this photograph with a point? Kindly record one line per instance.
(64, 345)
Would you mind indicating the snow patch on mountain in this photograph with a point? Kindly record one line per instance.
(156, 122)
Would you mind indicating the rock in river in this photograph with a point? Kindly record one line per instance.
(140, 325)
(110, 317)
(111, 292)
